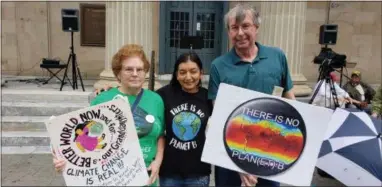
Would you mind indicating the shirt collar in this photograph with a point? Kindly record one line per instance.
(261, 54)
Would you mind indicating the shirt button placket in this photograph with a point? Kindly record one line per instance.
(252, 69)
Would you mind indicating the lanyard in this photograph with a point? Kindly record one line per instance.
(134, 106)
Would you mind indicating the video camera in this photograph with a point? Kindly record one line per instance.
(330, 59)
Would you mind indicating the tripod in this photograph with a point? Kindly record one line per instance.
(75, 69)
(324, 76)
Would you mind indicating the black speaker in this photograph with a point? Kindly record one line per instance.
(70, 19)
(328, 34)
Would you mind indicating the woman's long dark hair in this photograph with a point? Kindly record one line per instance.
(182, 59)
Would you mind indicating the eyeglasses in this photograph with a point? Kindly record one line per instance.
(244, 27)
(130, 71)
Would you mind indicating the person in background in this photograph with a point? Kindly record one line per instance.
(376, 104)
(249, 65)
(359, 91)
(130, 66)
(325, 97)
(187, 110)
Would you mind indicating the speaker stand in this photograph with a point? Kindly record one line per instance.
(75, 69)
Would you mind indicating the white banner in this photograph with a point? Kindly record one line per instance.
(268, 136)
(100, 145)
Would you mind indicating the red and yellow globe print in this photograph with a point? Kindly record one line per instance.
(264, 140)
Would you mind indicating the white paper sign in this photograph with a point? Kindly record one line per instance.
(268, 136)
(100, 145)
(278, 91)
(198, 26)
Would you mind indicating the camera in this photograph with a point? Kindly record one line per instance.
(330, 59)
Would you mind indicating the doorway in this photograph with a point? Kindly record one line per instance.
(187, 18)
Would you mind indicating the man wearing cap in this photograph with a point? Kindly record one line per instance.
(361, 92)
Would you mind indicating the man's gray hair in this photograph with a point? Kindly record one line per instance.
(239, 12)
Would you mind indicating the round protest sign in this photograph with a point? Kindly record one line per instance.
(264, 136)
(100, 145)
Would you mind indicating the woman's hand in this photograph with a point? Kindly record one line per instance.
(154, 168)
(248, 180)
(59, 164)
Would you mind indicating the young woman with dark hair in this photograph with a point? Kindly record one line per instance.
(187, 110)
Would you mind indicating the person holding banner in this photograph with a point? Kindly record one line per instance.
(130, 66)
(249, 65)
(187, 110)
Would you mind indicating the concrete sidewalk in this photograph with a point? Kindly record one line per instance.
(37, 170)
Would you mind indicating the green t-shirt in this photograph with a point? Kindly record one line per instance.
(150, 104)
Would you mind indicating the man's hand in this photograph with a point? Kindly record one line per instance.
(248, 180)
(98, 91)
(347, 100)
(154, 168)
(290, 95)
(374, 114)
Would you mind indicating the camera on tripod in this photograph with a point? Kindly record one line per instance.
(328, 61)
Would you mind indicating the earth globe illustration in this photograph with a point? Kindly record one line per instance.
(186, 125)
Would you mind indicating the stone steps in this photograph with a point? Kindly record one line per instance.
(16, 150)
(43, 96)
(39, 109)
(24, 112)
(24, 123)
(24, 138)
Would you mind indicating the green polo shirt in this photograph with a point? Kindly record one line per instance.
(268, 69)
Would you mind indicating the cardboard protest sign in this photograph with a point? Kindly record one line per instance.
(100, 145)
(264, 135)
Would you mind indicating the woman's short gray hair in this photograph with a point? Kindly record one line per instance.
(239, 12)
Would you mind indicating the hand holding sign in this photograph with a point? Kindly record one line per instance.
(59, 164)
(248, 180)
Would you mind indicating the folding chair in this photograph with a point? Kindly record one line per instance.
(48, 67)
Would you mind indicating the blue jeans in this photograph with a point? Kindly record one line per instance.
(225, 177)
(185, 181)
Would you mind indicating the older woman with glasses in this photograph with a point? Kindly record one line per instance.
(130, 66)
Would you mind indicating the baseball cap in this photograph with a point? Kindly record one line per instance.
(356, 72)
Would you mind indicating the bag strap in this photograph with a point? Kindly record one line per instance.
(135, 104)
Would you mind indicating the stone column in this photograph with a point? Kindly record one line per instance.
(126, 23)
(283, 26)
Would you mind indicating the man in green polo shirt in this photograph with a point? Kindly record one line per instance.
(248, 65)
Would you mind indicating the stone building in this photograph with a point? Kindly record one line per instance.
(33, 30)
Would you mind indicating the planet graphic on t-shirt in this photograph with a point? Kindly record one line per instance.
(264, 136)
(186, 125)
